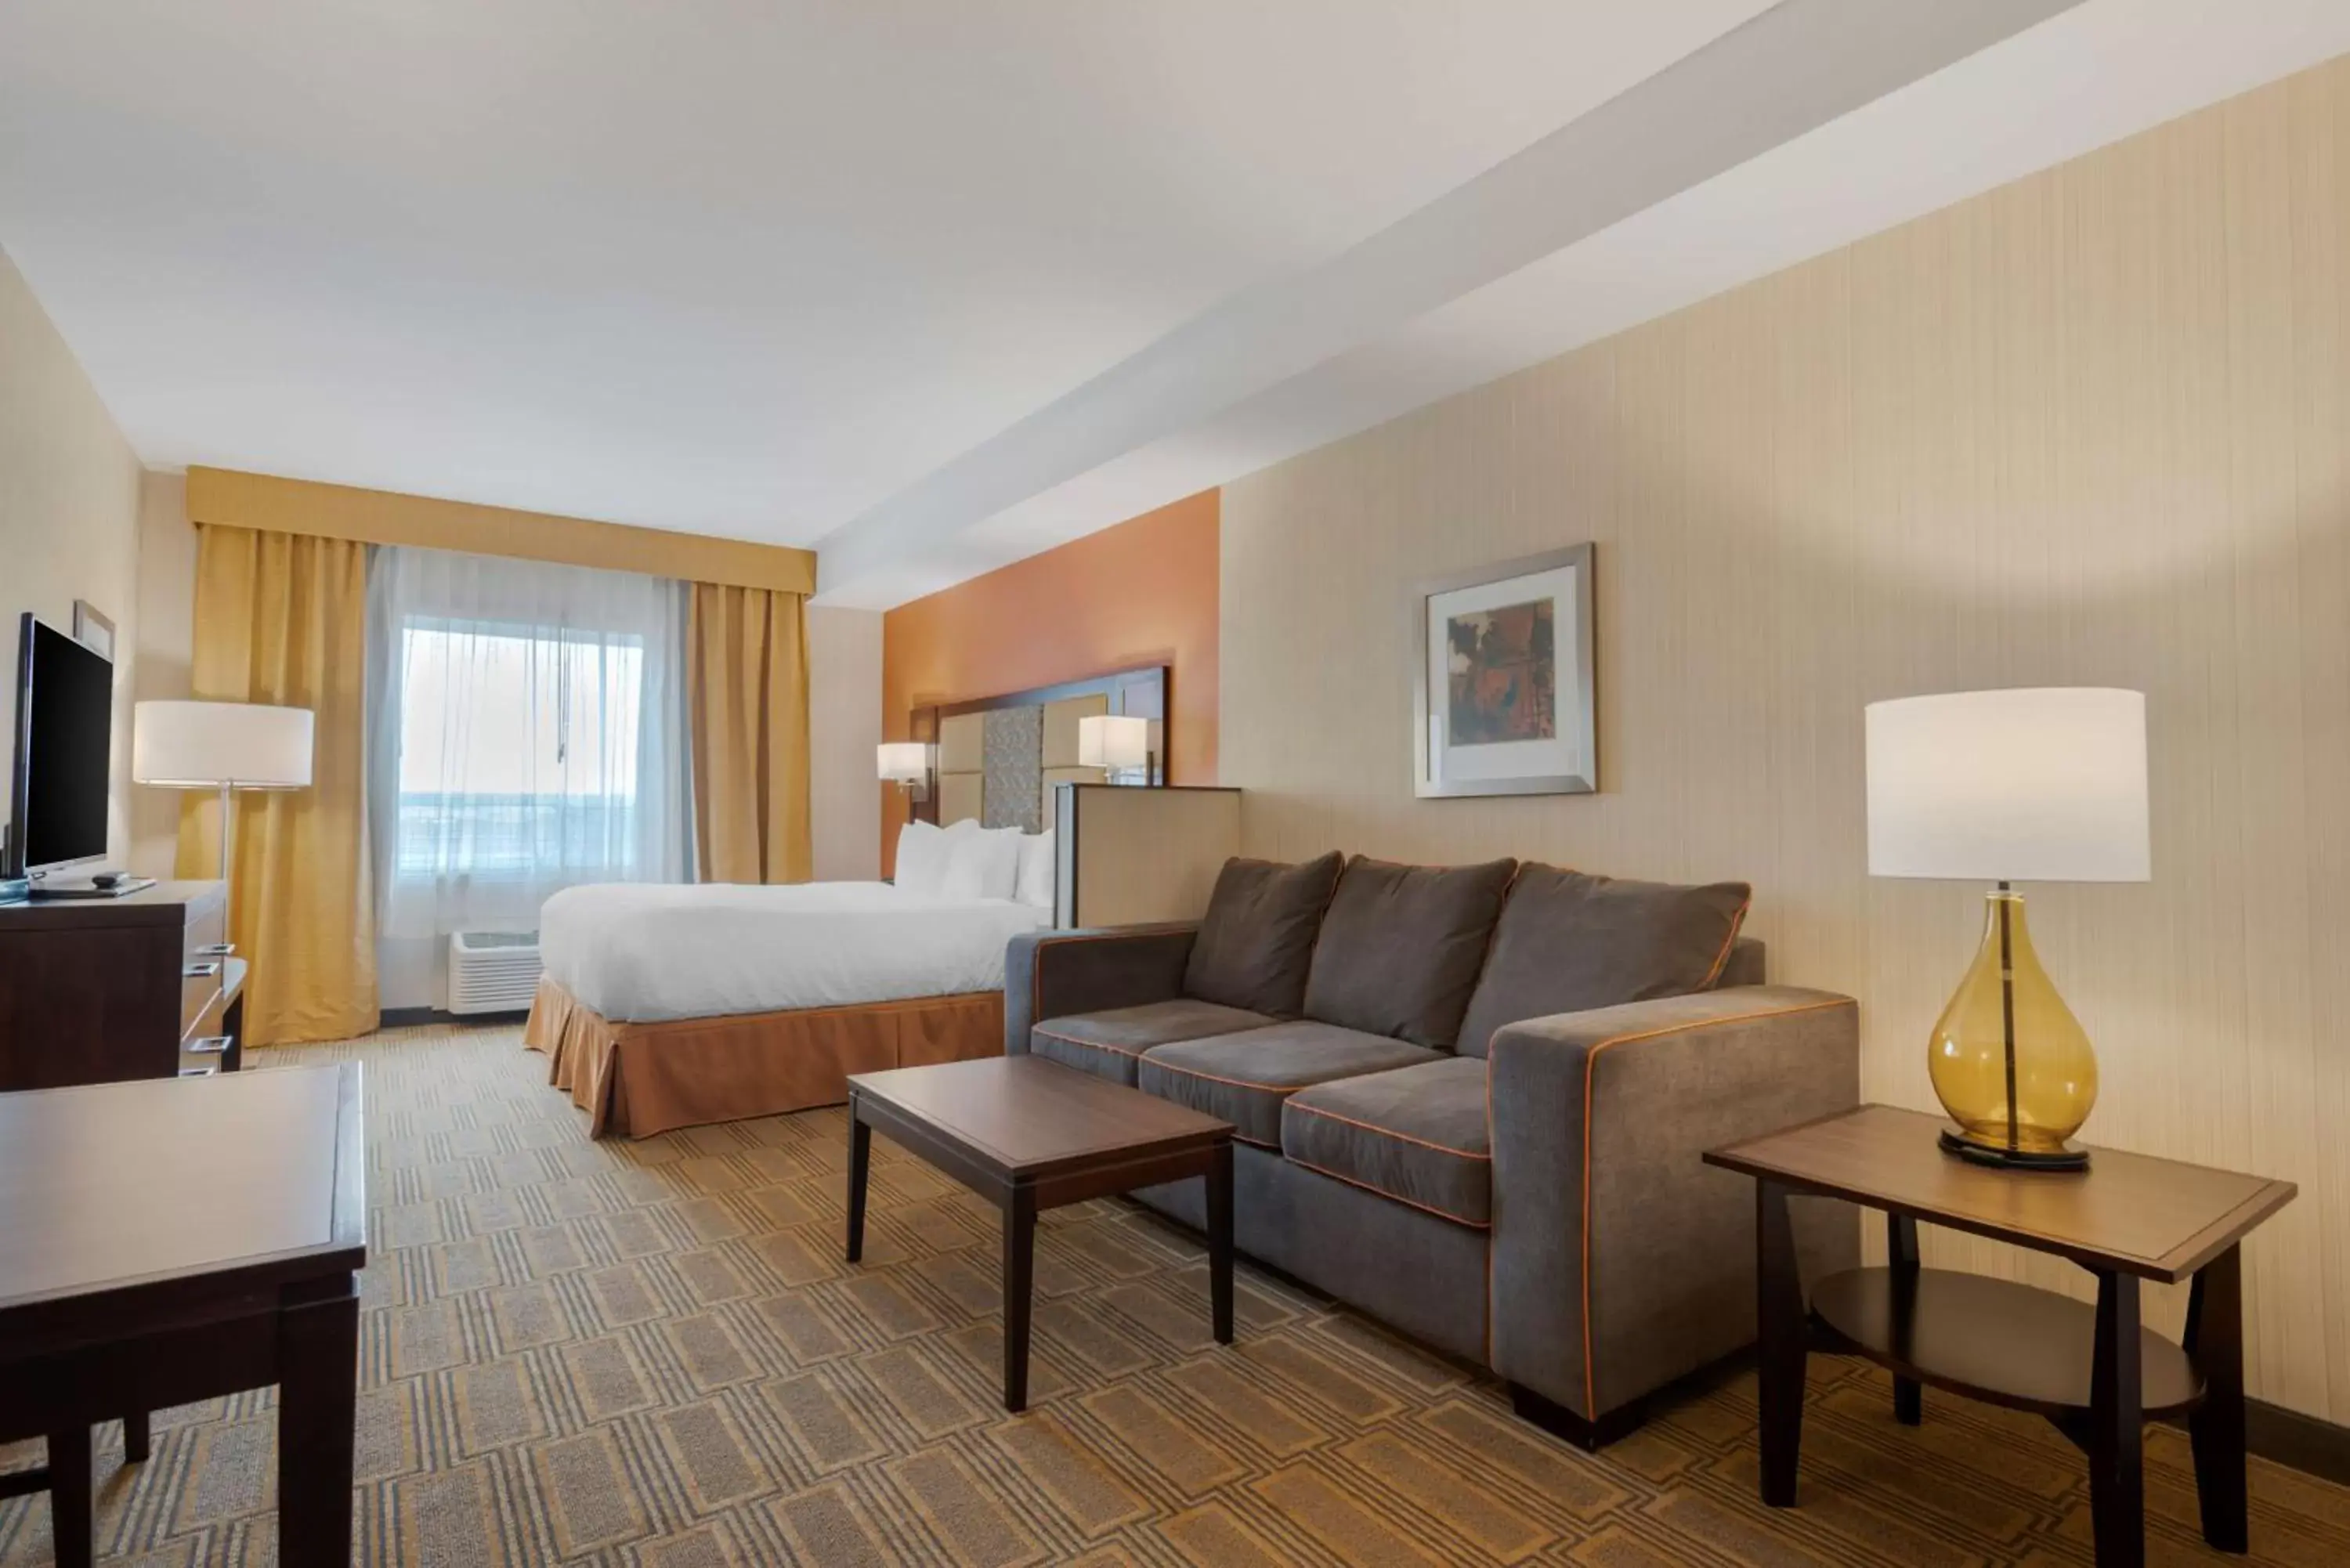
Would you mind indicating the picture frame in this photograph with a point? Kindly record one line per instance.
(1504, 688)
(93, 630)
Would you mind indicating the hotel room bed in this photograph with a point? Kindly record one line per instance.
(666, 1005)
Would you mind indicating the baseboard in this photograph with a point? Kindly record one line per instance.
(412, 1017)
(2298, 1442)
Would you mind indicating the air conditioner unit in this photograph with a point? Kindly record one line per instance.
(492, 971)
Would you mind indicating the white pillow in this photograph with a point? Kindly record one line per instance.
(924, 853)
(985, 863)
(1035, 881)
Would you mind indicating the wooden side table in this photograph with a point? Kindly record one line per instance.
(2096, 1372)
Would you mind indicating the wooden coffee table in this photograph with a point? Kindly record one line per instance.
(1027, 1133)
(2096, 1372)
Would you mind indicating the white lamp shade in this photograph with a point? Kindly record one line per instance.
(904, 762)
(204, 745)
(2039, 785)
(1113, 740)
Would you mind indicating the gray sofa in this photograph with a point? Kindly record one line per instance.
(1471, 1101)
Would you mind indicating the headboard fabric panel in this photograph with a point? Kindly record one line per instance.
(1012, 790)
(962, 765)
(1060, 748)
(959, 799)
(962, 743)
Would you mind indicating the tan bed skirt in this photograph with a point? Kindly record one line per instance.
(638, 1079)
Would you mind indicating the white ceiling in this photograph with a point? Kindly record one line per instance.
(2089, 77)
(735, 269)
(941, 283)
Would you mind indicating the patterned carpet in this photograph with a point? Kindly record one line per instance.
(650, 1354)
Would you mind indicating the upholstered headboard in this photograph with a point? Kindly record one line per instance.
(997, 759)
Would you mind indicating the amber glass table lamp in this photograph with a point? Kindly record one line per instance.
(2041, 784)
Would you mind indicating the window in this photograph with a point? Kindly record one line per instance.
(517, 753)
(527, 736)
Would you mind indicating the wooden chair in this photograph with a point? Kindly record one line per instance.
(66, 1479)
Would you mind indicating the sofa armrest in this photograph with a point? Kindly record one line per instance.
(1053, 974)
(1621, 1262)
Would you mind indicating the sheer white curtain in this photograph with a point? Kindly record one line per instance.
(526, 733)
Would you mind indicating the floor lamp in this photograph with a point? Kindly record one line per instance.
(224, 746)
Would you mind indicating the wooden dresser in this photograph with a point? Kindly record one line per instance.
(100, 989)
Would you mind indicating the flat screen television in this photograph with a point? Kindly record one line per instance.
(65, 730)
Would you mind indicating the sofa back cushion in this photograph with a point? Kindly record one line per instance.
(1257, 938)
(1401, 945)
(1748, 965)
(1567, 941)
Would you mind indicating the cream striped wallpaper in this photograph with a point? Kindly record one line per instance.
(2087, 429)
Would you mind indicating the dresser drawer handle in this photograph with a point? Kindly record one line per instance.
(216, 949)
(209, 1045)
(205, 1070)
(202, 971)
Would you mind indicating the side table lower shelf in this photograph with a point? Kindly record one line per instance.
(1992, 1340)
(2019, 1346)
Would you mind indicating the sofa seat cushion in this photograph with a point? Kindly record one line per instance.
(1418, 1134)
(1244, 1077)
(1109, 1043)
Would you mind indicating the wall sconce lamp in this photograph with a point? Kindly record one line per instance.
(907, 764)
(1117, 744)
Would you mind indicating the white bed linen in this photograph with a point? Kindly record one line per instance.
(647, 952)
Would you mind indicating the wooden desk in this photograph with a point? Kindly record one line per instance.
(173, 1239)
(1027, 1133)
(2096, 1372)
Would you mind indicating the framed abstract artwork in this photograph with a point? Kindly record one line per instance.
(1502, 700)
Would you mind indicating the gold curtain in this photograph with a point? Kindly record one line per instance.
(281, 618)
(746, 689)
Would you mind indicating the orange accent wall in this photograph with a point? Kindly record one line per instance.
(1143, 592)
